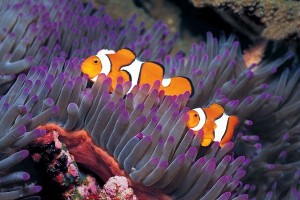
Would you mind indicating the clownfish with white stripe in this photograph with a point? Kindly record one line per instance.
(125, 64)
(214, 122)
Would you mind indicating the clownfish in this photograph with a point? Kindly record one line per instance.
(124, 63)
(215, 123)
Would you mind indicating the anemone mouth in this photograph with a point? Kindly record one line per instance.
(94, 160)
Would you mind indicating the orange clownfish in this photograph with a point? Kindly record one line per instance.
(124, 63)
(216, 125)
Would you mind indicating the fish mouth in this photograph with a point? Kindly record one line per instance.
(90, 159)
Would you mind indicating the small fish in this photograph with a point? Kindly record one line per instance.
(124, 63)
(216, 125)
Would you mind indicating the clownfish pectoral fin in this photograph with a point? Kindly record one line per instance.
(214, 111)
(233, 121)
(121, 58)
(114, 78)
(150, 72)
(209, 127)
(208, 135)
(177, 85)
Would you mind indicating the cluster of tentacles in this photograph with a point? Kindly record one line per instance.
(142, 135)
(34, 32)
(145, 132)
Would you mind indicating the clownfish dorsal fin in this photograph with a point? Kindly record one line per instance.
(213, 112)
(150, 72)
(122, 58)
(128, 53)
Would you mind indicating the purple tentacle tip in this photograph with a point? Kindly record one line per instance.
(241, 159)
(192, 152)
(271, 166)
(216, 144)
(210, 168)
(139, 136)
(171, 139)
(226, 195)
(201, 161)
(180, 159)
(229, 145)
(159, 127)
(227, 158)
(249, 74)
(110, 105)
(49, 101)
(140, 106)
(142, 119)
(161, 142)
(155, 161)
(247, 161)
(248, 122)
(21, 130)
(164, 164)
(225, 179)
(232, 64)
(236, 44)
(274, 69)
(154, 120)
(148, 139)
(24, 153)
(55, 109)
(190, 133)
(23, 109)
(37, 188)
(25, 176)
(124, 116)
(258, 146)
(286, 136)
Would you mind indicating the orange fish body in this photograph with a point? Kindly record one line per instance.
(124, 63)
(216, 125)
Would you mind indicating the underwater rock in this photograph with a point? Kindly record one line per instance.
(274, 20)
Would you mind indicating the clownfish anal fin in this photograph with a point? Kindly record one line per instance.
(126, 52)
(214, 111)
(233, 121)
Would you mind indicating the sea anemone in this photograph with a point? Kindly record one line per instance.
(143, 137)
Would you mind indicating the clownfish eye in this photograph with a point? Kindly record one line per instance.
(195, 115)
(95, 61)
